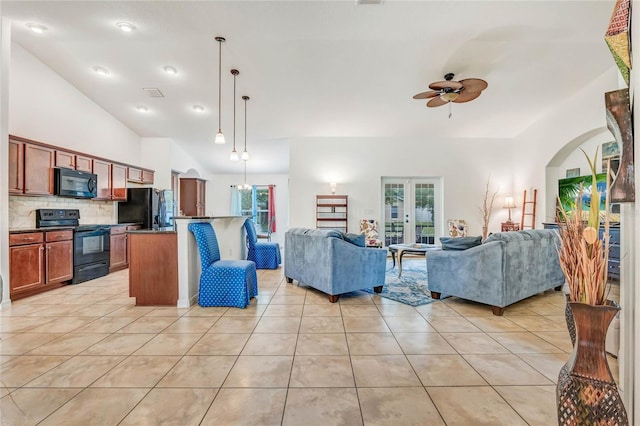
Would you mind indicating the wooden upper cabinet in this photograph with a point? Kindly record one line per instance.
(38, 170)
(84, 163)
(102, 169)
(16, 167)
(66, 160)
(147, 176)
(134, 174)
(192, 196)
(118, 182)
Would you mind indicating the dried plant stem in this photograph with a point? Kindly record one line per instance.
(487, 206)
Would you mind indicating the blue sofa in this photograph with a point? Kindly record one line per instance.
(506, 268)
(323, 260)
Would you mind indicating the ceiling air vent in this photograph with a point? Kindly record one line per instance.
(369, 1)
(153, 92)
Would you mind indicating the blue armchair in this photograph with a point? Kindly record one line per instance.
(265, 255)
(222, 282)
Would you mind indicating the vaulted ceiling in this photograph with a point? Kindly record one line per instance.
(317, 68)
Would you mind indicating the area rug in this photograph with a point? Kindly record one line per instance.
(411, 288)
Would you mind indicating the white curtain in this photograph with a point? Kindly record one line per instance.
(235, 201)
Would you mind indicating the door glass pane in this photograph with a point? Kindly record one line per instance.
(394, 213)
(424, 213)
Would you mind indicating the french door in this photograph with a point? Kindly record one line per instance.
(411, 209)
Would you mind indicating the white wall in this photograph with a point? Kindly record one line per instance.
(219, 197)
(46, 108)
(562, 129)
(164, 155)
(5, 62)
(357, 165)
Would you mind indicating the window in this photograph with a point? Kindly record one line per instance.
(255, 203)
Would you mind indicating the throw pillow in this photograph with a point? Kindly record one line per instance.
(461, 243)
(356, 239)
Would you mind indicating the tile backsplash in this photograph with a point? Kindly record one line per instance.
(22, 210)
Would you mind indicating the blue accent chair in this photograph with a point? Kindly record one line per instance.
(222, 282)
(266, 255)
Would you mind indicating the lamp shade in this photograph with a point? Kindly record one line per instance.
(509, 203)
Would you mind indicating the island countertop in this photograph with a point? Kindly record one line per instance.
(165, 230)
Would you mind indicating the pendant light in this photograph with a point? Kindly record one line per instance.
(219, 140)
(234, 153)
(245, 153)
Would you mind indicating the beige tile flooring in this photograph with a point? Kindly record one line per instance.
(85, 355)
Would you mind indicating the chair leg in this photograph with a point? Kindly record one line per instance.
(378, 289)
(435, 295)
(289, 280)
(333, 298)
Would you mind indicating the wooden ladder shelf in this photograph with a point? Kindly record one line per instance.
(529, 210)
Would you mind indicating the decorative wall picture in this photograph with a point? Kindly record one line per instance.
(619, 122)
(615, 165)
(457, 228)
(573, 172)
(610, 150)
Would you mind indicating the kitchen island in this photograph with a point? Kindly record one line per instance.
(153, 266)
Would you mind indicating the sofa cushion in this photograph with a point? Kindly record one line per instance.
(357, 239)
(461, 243)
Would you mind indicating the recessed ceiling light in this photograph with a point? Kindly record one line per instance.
(142, 108)
(125, 26)
(170, 70)
(198, 108)
(36, 28)
(101, 71)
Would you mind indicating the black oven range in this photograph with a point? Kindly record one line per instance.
(91, 243)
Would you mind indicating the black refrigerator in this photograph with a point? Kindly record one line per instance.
(149, 206)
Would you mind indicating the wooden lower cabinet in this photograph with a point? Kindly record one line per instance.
(153, 268)
(26, 265)
(58, 256)
(39, 261)
(119, 258)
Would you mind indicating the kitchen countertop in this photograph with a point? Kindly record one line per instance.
(47, 228)
(61, 228)
(209, 217)
(165, 230)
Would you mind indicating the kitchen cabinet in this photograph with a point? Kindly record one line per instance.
(118, 255)
(137, 175)
(84, 163)
(153, 280)
(112, 180)
(58, 256)
(102, 170)
(134, 174)
(66, 160)
(16, 167)
(26, 262)
(118, 182)
(39, 261)
(192, 196)
(147, 176)
(38, 170)
(69, 160)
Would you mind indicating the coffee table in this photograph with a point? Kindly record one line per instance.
(401, 249)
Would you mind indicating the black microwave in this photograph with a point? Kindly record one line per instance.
(74, 183)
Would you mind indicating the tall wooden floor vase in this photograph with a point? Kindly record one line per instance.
(586, 393)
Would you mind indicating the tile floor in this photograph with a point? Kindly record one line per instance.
(85, 355)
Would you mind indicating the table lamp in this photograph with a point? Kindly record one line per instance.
(509, 204)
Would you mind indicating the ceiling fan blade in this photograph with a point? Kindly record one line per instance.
(436, 102)
(474, 84)
(439, 85)
(426, 95)
(466, 96)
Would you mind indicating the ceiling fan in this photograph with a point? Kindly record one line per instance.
(449, 90)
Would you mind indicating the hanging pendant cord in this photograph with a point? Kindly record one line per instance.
(219, 85)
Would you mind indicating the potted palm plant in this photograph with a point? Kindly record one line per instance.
(586, 392)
